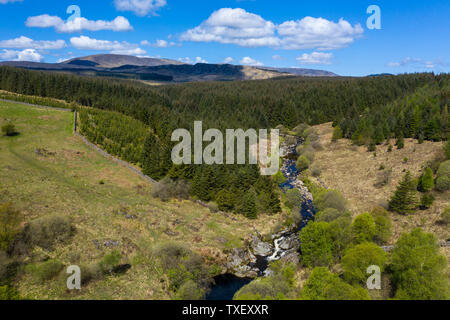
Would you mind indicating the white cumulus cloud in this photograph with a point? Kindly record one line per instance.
(158, 43)
(237, 26)
(115, 47)
(23, 42)
(234, 26)
(251, 62)
(315, 58)
(24, 55)
(78, 24)
(193, 61)
(140, 7)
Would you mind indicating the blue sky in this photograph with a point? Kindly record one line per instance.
(330, 35)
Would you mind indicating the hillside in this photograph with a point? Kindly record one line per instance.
(46, 170)
(355, 172)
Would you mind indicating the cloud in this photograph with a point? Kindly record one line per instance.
(237, 26)
(140, 7)
(417, 63)
(9, 1)
(114, 47)
(23, 42)
(318, 33)
(251, 62)
(277, 57)
(78, 24)
(228, 60)
(191, 61)
(24, 55)
(315, 58)
(234, 26)
(158, 43)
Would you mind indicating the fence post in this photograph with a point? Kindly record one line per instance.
(75, 121)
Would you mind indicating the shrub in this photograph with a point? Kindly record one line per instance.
(328, 215)
(337, 134)
(9, 129)
(427, 181)
(110, 261)
(47, 270)
(359, 258)
(446, 216)
(426, 201)
(277, 286)
(447, 149)
(8, 293)
(294, 198)
(324, 285)
(213, 207)
(316, 171)
(330, 199)
(443, 177)
(47, 231)
(189, 290)
(4, 261)
(302, 163)
(383, 178)
(168, 188)
(225, 200)
(363, 228)
(419, 271)
(317, 244)
(383, 225)
(90, 273)
(300, 129)
(10, 220)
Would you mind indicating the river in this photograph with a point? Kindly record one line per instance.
(227, 285)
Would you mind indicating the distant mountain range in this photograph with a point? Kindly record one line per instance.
(163, 70)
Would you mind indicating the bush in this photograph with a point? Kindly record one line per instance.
(330, 199)
(426, 201)
(359, 258)
(328, 215)
(190, 291)
(337, 134)
(168, 188)
(316, 171)
(294, 198)
(419, 271)
(302, 163)
(47, 231)
(317, 244)
(383, 225)
(4, 261)
(427, 181)
(443, 174)
(9, 129)
(363, 228)
(90, 273)
(225, 200)
(110, 261)
(213, 207)
(383, 178)
(47, 270)
(324, 285)
(8, 293)
(447, 149)
(446, 216)
(10, 220)
(278, 286)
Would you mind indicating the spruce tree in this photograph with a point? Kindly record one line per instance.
(250, 205)
(405, 200)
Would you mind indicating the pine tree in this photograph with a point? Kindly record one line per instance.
(400, 142)
(405, 199)
(250, 205)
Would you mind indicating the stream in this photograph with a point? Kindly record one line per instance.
(228, 284)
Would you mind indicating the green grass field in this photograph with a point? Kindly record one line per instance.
(46, 170)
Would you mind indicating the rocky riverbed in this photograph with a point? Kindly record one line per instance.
(252, 260)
